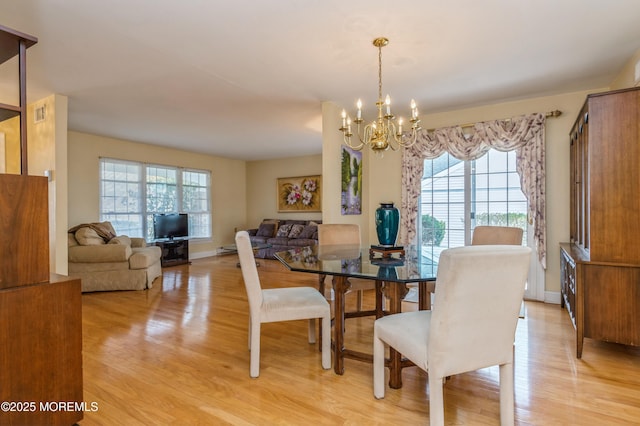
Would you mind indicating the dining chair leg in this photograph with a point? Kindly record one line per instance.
(312, 330)
(378, 367)
(436, 400)
(325, 325)
(507, 411)
(254, 366)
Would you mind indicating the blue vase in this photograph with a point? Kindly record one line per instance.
(387, 223)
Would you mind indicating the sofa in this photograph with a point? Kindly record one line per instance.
(283, 234)
(106, 262)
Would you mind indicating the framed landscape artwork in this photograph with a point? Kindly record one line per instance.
(299, 194)
(351, 195)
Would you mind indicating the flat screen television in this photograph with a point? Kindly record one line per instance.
(170, 226)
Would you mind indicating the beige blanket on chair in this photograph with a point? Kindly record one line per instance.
(103, 229)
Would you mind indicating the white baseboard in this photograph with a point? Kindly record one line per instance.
(201, 254)
(552, 297)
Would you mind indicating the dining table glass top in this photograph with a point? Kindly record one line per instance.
(357, 262)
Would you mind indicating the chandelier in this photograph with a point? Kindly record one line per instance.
(383, 132)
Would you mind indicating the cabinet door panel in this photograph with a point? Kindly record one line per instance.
(612, 304)
(614, 151)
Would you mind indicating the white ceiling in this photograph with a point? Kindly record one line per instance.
(246, 78)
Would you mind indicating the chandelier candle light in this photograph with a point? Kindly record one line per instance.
(382, 133)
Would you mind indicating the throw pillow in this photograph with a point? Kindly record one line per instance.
(308, 232)
(283, 231)
(266, 230)
(88, 237)
(295, 231)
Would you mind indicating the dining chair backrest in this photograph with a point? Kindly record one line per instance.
(249, 272)
(483, 235)
(338, 233)
(479, 290)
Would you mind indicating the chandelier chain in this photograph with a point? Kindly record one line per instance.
(380, 73)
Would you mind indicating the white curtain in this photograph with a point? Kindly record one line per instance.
(524, 134)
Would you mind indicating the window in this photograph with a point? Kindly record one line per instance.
(459, 195)
(131, 193)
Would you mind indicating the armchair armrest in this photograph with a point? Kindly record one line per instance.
(99, 254)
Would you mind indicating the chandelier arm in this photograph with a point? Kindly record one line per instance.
(347, 141)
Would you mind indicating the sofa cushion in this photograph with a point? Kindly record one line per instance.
(295, 230)
(278, 241)
(88, 237)
(258, 240)
(266, 230)
(98, 254)
(284, 230)
(142, 258)
(308, 231)
(302, 242)
(122, 239)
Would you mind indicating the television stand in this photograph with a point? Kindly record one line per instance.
(174, 252)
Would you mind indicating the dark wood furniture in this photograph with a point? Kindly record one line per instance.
(40, 314)
(174, 252)
(600, 266)
(343, 262)
(41, 355)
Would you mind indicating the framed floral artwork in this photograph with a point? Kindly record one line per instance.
(299, 194)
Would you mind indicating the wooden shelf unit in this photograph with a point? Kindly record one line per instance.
(40, 314)
(174, 252)
(600, 266)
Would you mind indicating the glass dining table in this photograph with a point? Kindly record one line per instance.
(391, 274)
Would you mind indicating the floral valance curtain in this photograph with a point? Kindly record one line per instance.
(524, 134)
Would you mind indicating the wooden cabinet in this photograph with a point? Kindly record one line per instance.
(174, 252)
(600, 266)
(40, 314)
(41, 352)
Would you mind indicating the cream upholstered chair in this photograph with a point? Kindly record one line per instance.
(491, 235)
(461, 334)
(496, 235)
(347, 234)
(280, 304)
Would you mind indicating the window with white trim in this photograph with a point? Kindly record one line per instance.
(459, 195)
(132, 192)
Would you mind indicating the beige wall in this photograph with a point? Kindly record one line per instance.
(626, 76)
(382, 180)
(228, 182)
(11, 156)
(261, 188)
(47, 147)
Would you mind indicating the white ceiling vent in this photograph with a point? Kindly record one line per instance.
(40, 114)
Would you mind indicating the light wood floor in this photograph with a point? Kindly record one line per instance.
(177, 354)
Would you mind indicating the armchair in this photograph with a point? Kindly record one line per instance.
(105, 263)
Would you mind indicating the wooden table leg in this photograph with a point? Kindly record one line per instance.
(397, 292)
(379, 300)
(339, 287)
(425, 288)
